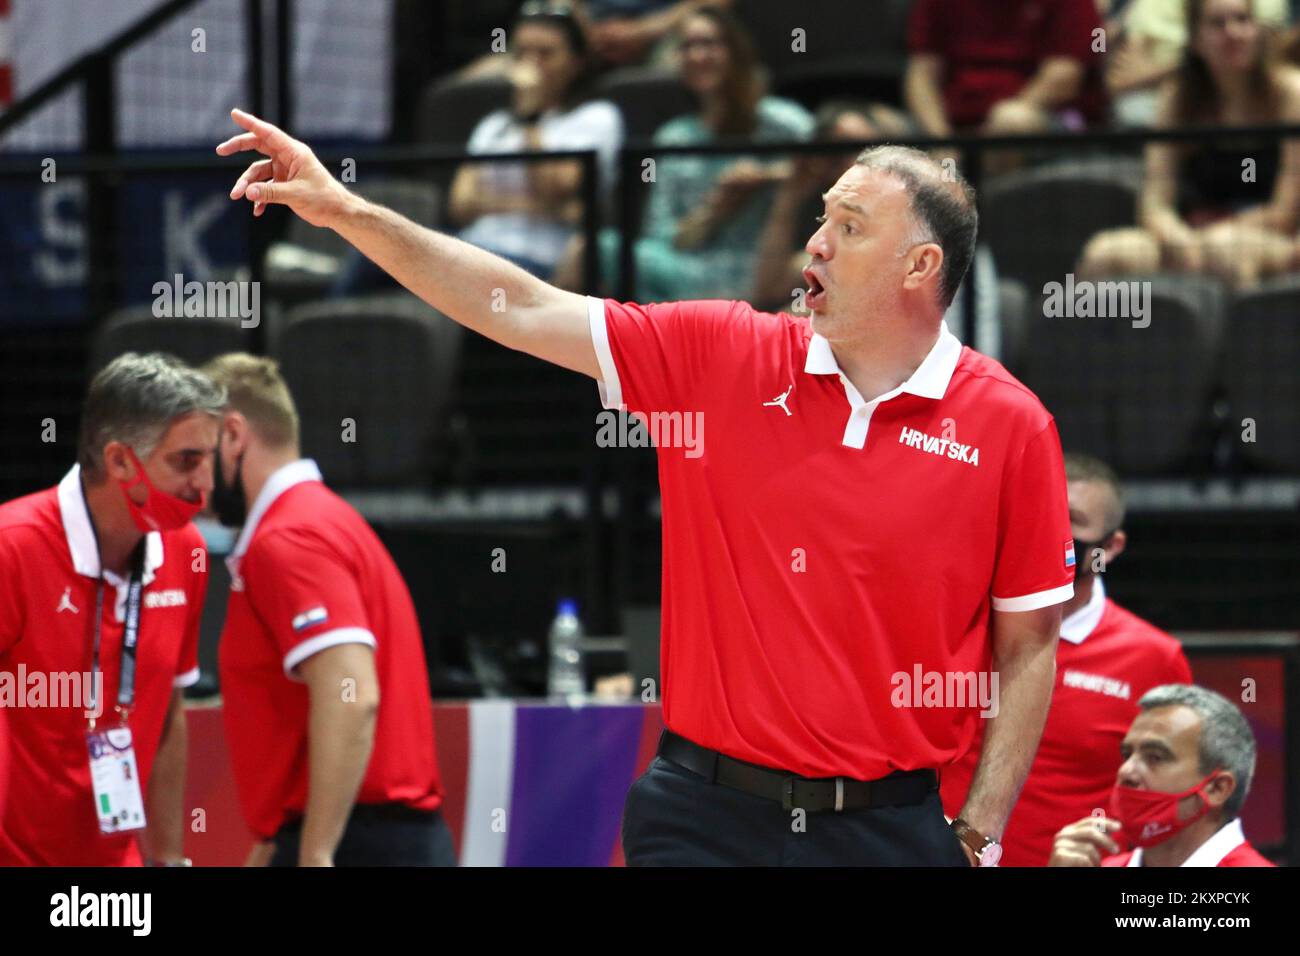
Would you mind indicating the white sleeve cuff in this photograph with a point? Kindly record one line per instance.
(1032, 602)
(188, 679)
(340, 635)
(611, 390)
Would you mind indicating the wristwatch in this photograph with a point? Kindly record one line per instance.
(988, 851)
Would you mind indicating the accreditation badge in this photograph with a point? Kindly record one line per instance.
(115, 779)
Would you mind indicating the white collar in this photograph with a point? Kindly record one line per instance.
(82, 545)
(930, 380)
(1084, 620)
(280, 481)
(1210, 853)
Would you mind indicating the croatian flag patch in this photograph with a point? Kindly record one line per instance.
(317, 615)
(1069, 555)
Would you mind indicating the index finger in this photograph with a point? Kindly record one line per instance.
(269, 133)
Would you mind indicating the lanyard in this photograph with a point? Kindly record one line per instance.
(130, 636)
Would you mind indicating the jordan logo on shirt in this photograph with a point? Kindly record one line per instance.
(65, 602)
(780, 400)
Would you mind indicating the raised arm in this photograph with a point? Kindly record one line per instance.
(475, 288)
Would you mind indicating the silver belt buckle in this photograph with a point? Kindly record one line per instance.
(839, 794)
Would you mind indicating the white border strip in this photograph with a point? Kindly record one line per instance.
(314, 645)
(188, 679)
(490, 781)
(611, 390)
(1032, 602)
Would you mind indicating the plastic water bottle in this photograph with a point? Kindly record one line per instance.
(566, 676)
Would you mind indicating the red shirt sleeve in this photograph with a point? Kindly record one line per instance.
(1069, 30)
(1034, 529)
(304, 593)
(1179, 670)
(925, 28)
(187, 667)
(654, 357)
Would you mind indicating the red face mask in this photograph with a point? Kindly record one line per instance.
(1149, 817)
(160, 511)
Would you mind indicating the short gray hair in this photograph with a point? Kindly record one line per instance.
(1227, 741)
(940, 214)
(134, 399)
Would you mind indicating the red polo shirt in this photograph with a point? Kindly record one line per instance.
(1228, 847)
(1106, 660)
(829, 560)
(49, 569)
(308, 573)
(991, 48)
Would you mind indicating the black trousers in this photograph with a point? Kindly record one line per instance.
(379, 835)
(674, 817)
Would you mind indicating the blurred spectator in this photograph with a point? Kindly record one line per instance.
(527, 212)
(627, 32)
(1199, 209)
(1189, 758)
(1004, 67)
(1145, 48)
(705, 212)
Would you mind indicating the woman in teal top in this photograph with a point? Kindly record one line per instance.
(705, 213)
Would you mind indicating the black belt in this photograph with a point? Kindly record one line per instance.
(902, 788)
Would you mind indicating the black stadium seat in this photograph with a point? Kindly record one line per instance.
(450, 108)
(1261, 374)
(1037, 221)
(192, 339)
(849, 49)
(647, 98)
(1013, 305)
(387, 362)
(1139, 398)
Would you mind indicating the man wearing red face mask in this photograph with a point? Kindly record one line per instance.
(102, 580)
(1188, 761)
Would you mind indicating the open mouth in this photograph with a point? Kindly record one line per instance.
(816, 297)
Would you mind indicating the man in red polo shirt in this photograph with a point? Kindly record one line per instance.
(102, 581)
(1188, 760)
(327, 708)
(1106, 659)
(866, 548)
